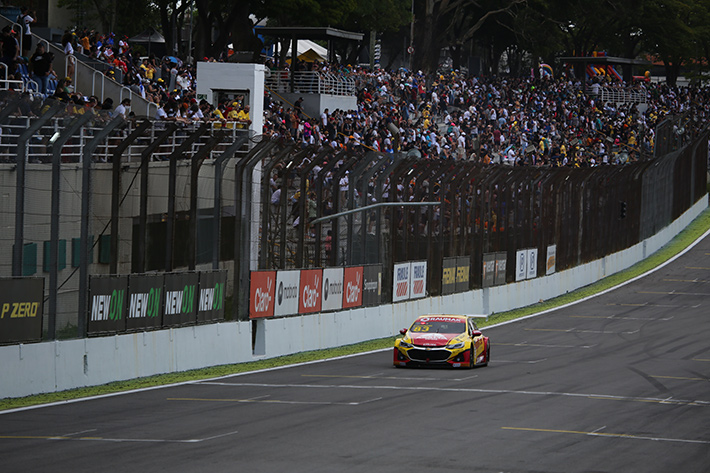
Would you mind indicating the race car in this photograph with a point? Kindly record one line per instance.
(453, 340)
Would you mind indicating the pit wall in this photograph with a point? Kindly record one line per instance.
(27, 369)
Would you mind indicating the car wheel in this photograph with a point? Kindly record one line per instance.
(488, 356)
(472, 362)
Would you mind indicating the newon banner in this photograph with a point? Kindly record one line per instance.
(332, 291)
(145, 302)
(21, 309)
(262, 292)
(287, 284)
(352, 287)
(180, 307)
(310, 291)
(108, 306)
(210, 305)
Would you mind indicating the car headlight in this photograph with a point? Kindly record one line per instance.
(403, 344)
(455, 346)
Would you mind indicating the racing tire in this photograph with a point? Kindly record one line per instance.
(488, 356)
(472, 361)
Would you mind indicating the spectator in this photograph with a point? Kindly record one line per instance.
(41, 67)
(122, 109)
(25, 19)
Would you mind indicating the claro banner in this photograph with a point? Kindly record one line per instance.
(262, 291)
(352, 292)
(21, 309)
(310, 291)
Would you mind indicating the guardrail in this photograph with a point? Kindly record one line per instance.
(308, 82)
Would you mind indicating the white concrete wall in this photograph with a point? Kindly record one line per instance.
(55, 366)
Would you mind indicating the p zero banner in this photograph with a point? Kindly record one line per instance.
(448, 276)
(332, 291)
(418, 279)
(501, 267)
(352, 287)
(262, 293)
(372, 285)
(21, 309)
(310, 291)
(108, 304)
(551, 260)
(210, 304)
(287, 286)
(463, 273)
(489, 269)
(180, 305)
(145, 302)
(401, 282)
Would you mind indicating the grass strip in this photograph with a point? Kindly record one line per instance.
(686, 237)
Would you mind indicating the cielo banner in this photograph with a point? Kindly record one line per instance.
(108, 304)
(21, 309)
(262, 294)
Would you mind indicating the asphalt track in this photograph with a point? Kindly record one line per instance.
(618, 383)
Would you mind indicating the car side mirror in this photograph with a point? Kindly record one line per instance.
(403, 331)
(477, 333)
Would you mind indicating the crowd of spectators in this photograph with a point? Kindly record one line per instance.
(448, 115)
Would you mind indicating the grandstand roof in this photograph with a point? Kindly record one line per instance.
(308, 32)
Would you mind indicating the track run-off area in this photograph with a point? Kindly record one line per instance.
(619, 382)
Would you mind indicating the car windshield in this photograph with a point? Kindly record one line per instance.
(434, 326)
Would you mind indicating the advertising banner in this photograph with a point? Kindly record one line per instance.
(521, 265)
(310, 291)
(418, 284)
(372, 285)
(463, 273)
(489, 270)
(108, 304)
(210, 304)
(501, 267)
(551, 260)
(532, 263)
(262, 292)
(332, 291)
(145, 301)
(352, 284)
(180, 307)
(287, 284)
(401, 282)
(21, 309)
(448, 276)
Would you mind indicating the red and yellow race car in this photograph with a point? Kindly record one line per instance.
(453, 340)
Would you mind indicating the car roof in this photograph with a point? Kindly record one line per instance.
(462, 318)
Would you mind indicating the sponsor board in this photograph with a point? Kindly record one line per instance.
(448, 276)
(287, 292)
(262, 294)
(145, 302)
(372, 285)
(21, 309)
(551, 260)
(332, 290)
(418, 279)
(310, 291)
(210, 303)
(501, 268)
(463, 273)
(108, 304)
(532, 263)
(352, 287)
(521, 265)
(401, 282)
(180, 300)
(489, 270)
